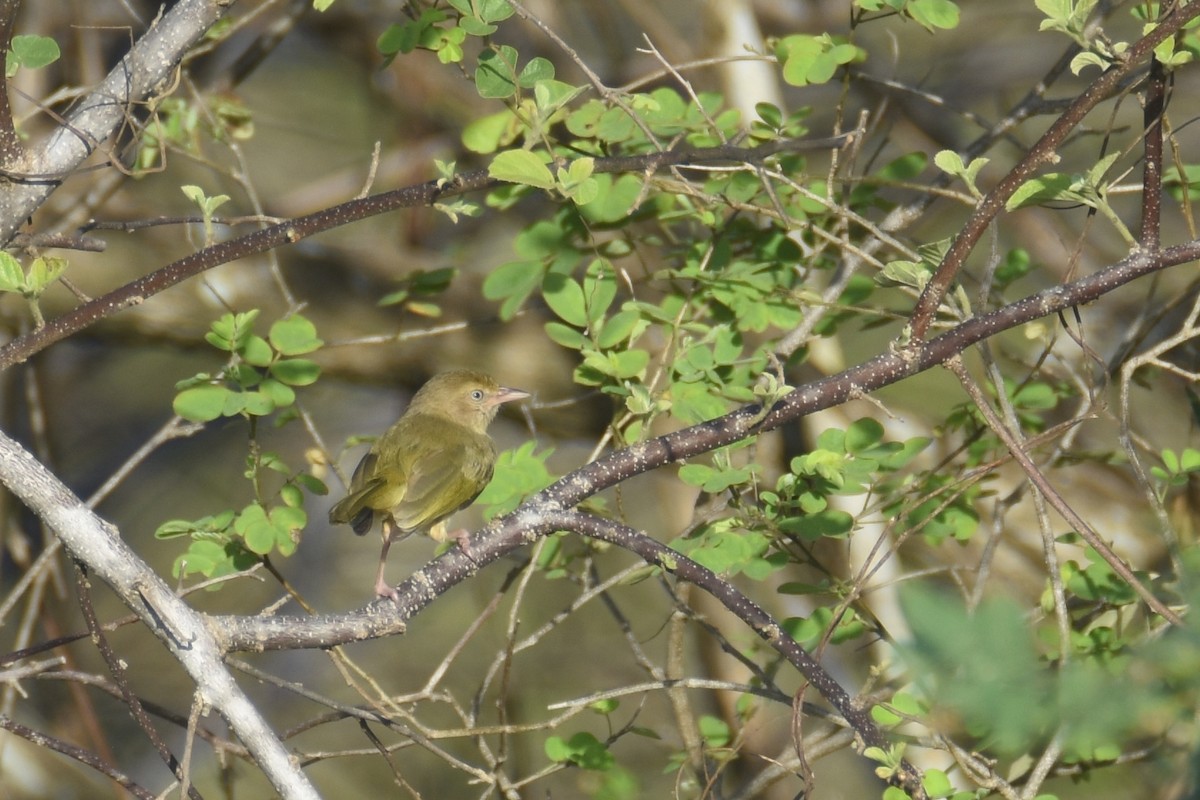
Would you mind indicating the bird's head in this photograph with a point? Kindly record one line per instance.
(468, 397)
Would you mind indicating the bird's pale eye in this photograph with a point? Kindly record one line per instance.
(477, 395)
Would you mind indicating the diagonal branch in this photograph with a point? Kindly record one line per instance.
(184, 631)
(527, 523)
(292, 231)
(78, 753)
(1038, 479)
(97, 116)
(1042, 152)
(767, 627)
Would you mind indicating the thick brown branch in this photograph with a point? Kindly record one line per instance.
(1156, 105)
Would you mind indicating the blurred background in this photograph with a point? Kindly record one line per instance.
(312, 116)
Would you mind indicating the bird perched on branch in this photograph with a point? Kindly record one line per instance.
(433, 461)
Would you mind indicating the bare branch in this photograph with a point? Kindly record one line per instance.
(77, 753)
(1041, 153)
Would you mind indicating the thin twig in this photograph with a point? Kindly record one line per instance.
(1052, 495)
(78, 753)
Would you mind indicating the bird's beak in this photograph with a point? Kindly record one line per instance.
(505, 395)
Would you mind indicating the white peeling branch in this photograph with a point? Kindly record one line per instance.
(96, 544)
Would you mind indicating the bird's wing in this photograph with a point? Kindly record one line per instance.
(443, 480)
(365, 471)
(371, 489)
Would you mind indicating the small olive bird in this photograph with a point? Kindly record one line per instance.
(433, 461)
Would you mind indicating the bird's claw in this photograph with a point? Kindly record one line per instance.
(382, 589)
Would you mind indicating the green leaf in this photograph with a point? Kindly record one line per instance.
(231, 331)
(565, 298)
(203, 557)
(296, 371)
(44, 271)
(769, 114)
(518, 474)
(863, 434)
(522, 167)
(814, 59)
(615, 198)
(537, 70)
(496, 75)
(566, 336)
(629, 364)
(1035, 191)
(30, 52)
(620, 328)
(484, 10)
(914, 274)
(901, 703)
(550, 96)
(412, 34)
(808, 631)
(934, 14)
(905, 167)
(1016, 265)
(832, 523)
(714, 731)
(694, 402)
(255, 403)
(583, 749)
(291, 495)
(712, 479)
(936, 783)
(513, 283)
(256, 352)
(201, 403)
(255, 529)
(725, 548)
(210, 525)
(556, 749)
(287, 522)
(599, 289)
(1088, 59)
(294, 336)
(12, 276)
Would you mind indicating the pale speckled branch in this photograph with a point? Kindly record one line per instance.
(534, 518)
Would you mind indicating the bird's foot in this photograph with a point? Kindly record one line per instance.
(382, 589)
(463, 537)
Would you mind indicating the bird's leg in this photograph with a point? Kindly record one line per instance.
(382, 589)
